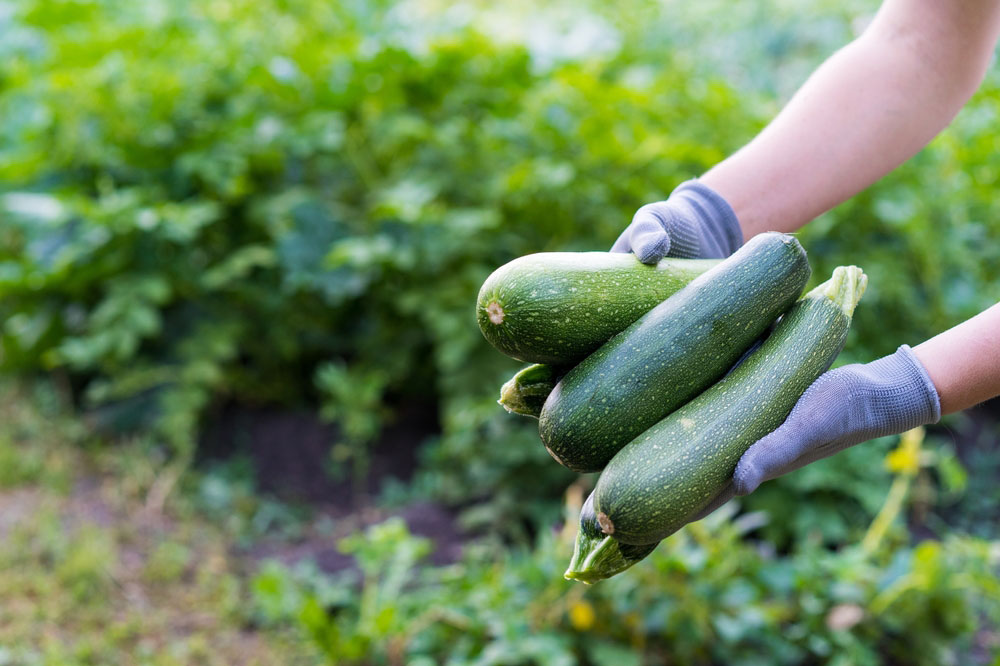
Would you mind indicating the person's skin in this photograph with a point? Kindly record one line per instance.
(866, 110)
(964, 361)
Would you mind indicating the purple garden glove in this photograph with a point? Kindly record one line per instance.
(844, 407)
(694, 222)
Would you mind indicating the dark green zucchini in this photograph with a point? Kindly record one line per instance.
(671, 353)
(666, 475)
(557, 307)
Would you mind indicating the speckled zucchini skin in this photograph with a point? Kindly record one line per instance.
(557, 307)
(670, 472)
(672, 353)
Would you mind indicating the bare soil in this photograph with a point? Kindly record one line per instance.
(290, 454)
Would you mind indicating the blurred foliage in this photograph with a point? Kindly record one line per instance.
(294, 202)
(278, 202)
(704, 596)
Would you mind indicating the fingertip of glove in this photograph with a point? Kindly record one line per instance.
(652, 247)
(746, 478)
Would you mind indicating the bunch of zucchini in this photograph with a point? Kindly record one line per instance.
(634, 374)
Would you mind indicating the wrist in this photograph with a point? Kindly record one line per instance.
(914, 400)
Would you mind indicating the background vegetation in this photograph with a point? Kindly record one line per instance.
(291, 204)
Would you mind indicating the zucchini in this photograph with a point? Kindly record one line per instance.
(664, 477)
(557, 307)
(672, 353)
(525, 392)
(597, 556)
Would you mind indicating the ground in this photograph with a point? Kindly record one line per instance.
(93, 572)
(285, 450)
(89, 574)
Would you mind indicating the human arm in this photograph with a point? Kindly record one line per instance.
(871, 106)
(964, 361)
(868, 108)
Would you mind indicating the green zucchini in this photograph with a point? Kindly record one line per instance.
(666, 475)
(597, 556)
(526, 391)
(671, 353)
(557, 307)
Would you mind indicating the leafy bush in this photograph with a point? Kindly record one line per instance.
(285, 205)
(707, 595)
(295, 203)
(704, 597)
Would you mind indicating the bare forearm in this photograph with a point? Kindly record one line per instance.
(870, 107)
(964, 361)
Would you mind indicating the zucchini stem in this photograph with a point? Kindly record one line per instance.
(845, 288)
(586, 564)
(512, 400)
(599, 557)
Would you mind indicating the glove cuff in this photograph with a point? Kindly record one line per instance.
(917, 402)
(721, 234)
(933, 400)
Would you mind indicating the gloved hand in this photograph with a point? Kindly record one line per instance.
(694, 222)
(844, 407)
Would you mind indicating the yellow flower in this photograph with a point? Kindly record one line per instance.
(581, 615)
(905, 458)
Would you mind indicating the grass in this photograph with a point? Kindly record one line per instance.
(89, 574)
